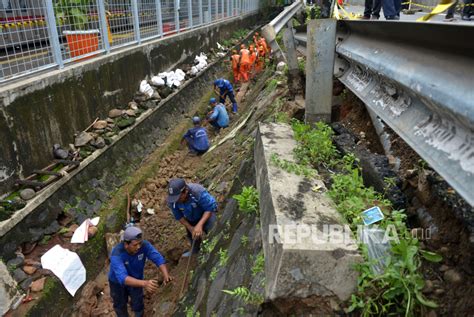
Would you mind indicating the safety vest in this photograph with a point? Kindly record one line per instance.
(245, 56)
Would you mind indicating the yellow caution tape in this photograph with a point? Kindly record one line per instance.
(441, 7)
(339, 13)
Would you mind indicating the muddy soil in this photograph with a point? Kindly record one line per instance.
(446, 219)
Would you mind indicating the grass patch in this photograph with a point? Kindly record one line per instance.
(248, 200)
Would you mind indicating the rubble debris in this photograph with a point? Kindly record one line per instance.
(27, 194)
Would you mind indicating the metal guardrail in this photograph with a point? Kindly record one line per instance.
(418, 78)
(270, 30)
(37, 34)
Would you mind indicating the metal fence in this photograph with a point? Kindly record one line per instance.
(41, 34)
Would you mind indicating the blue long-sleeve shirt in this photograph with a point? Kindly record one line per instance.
(224, 85)
(199, 137)
(220, 116)
(123, 264)
(198, 202)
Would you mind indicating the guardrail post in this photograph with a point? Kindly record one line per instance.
(103, 26)
(209, 10)
(201, 22)
(216, 5)
(176, 15)
(320, 54)
(268, 32)
(159, 17)
(190, 13)
(223, 9)
(295, 82)
(53, 34)
(136, 22)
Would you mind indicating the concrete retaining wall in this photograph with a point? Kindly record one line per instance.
(49, 108)
(297, 265)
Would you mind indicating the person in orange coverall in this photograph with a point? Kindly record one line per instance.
(244, 63)
(235, 60)
(253, 59)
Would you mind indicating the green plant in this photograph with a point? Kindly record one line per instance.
(248, 200)
(213, 274)
(259, 264)
(223, 257)
(302, 65)
(190, 312)
(63, 230)
(244, 240)
(240, 33)
(245, 295)
(315, 145)
(73, 13)
(271, 85)
(397, 291)
(292, 167)
(282, 117)
(45, 240)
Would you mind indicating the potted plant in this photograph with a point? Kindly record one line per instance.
(73, 17)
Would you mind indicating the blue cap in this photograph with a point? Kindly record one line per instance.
(212, 100)
(175, 187)
(196, 120)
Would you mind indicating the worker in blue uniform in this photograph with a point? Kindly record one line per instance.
(224, 89)
(218, 117)
(193, 206)
(196, 138)
(127, 262)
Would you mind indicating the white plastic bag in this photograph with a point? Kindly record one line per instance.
(157, 81)
(146, 89)
(378, 249)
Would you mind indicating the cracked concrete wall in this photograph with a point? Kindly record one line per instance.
(49, 108)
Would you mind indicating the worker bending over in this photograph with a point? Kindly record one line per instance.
(224, 89)
(218, 117)
(196, 138)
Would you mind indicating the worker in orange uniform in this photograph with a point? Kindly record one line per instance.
(260, 59)
(244, 63)
(235, 60)
(256, 38)
(253, 59)
(262, 42)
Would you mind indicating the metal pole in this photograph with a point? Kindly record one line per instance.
(190, 13)
(176, 15)
(222, 7)
(159, 18)
(201, 22)
(321, 43)
(53, 34)
(103, 26)
(209, 10)
(216, 4)
(136, 22)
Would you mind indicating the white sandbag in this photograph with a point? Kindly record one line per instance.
(220, 54)
(157, 81)
(146, 89)
(180, 75)
(194, 70)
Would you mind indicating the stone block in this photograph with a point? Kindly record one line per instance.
(8, 290)
(300, 259)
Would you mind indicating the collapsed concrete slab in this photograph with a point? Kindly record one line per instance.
(309, 250)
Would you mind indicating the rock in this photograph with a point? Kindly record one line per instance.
(439, 291)
(92, 231)
(83, 138)
(115, 113)
(27, 194)
(110, 120)
(19, 275)
(156, 96)
(111, 239)
(38, 285)
(429, 286)
(150, 211)
(452, 276)
(281, 66)
(99, 125)
(71, 230)
(31, 262)
(30, 270)
(16, 262)
(392, 160)
(52, 228)
(26, 283)
(98, 143)
(444, 250)
(139, 97)
(123, 123)
(108, 140)
(444, 268)
(165, 91)
(130, 113)
(133, 105)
